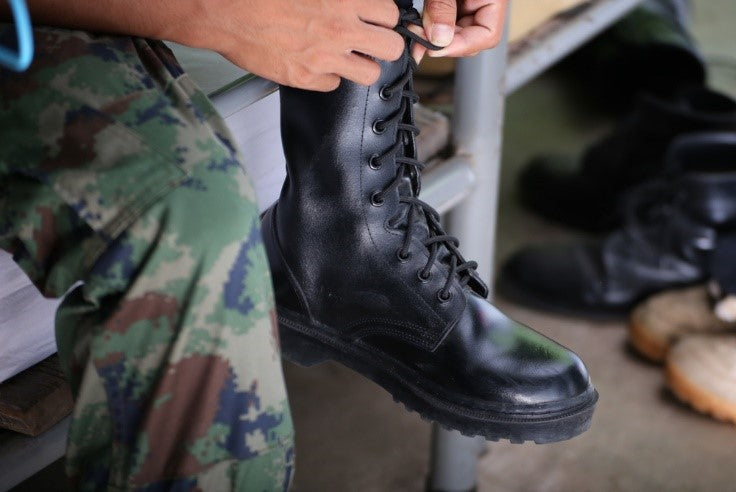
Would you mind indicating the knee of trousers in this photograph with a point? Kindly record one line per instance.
(205, 233)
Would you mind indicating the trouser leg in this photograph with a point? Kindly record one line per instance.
(175, 364)
(116, 171)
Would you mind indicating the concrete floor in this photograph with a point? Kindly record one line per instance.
(352, 436)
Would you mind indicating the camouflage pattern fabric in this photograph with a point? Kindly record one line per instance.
(115, 170)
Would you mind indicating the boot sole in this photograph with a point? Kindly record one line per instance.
(646, 345)
(307, 346)
(691, 394)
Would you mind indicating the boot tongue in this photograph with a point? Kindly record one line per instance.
(409, 185)
(405, 187)
(420, 231)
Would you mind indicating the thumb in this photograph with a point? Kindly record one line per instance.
(439, 21)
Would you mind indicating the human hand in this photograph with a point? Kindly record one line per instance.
(307, 44)
(462, 27)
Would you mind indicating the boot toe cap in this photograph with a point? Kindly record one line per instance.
(513, 366)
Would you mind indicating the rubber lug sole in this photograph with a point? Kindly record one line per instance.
(702, 401)
(645, 344)
(307, 347)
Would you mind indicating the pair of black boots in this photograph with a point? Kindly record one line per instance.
(664, 182)
(365, 275)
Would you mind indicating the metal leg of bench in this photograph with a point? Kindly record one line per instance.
(477, 131)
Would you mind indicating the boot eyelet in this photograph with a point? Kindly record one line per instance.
(373, 162)
(423, 278)
(379, 126)
(384, 93)
(442, 298)
(402, 257)
(376, 199)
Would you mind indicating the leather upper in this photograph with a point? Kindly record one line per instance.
(335, 260)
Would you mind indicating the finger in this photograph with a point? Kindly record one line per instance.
(417, 51)
(470, 7)
(443, 51)
(480, 32)
(378, 42)
(383, 13)
(322, 83)
(439, 20)
(358, 68)
(492, 16)
(467, 40)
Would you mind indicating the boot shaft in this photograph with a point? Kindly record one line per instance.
(331, 141)
(635, 151)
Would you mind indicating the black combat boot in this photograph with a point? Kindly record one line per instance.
(365, 275)
(589, 196)
(671, 230)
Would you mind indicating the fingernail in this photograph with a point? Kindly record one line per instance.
(442, 34)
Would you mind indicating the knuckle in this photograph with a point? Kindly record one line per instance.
(300, 76)
(497, 33)
(494, 38)
(311, 83)
(330, 83)
(442, 6)
(290, 76)
(333, 29)
(311, 61)
(392, 12)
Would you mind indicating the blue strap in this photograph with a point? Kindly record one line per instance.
(22, 59)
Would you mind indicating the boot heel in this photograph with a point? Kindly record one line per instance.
(300, 349)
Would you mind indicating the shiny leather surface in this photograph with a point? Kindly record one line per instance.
(668, 249)
(334, 260)
(489, 360)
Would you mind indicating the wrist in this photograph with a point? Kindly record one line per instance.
(190, 23)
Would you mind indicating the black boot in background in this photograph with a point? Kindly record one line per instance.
(588, 196)
(667, 240)
(365, 275)
(649, 51)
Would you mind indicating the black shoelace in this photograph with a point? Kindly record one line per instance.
(404, 153)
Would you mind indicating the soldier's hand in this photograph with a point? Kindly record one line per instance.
(462, 27)
(308, 44)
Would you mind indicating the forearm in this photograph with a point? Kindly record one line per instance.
(175, 20)
(308, 44)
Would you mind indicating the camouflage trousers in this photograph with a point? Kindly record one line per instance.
(116, 172)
